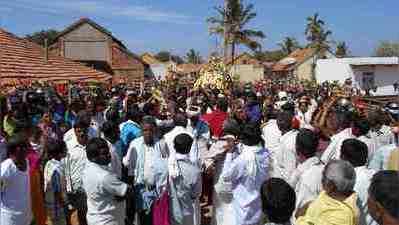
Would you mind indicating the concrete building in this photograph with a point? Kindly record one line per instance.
(366, 73)
(299, 64)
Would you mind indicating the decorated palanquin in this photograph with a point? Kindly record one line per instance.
(214, 75)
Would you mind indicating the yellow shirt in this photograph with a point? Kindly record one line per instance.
(328, 211)
(393, 162)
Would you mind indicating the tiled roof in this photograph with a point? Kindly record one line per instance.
(299, 56)
(245, 55)
(23, 61)
(149, 59)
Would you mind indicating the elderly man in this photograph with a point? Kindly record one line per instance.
(355, 152)
(383, 199)
(337, 203)
(147, 163)
(246, 172)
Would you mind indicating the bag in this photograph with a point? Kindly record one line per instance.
(160, 210)
(144, 198)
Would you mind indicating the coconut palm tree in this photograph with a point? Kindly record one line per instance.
(193, 56)
(316, 33)
(318, 38)
(231, 22)
(342, 49)
(288, 45)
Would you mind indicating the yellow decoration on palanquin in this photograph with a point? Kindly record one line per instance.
(215, 75)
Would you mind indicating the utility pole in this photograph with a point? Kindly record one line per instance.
(226, 34)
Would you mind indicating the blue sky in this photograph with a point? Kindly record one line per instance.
(178, 25)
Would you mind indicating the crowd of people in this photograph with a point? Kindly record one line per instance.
(268, 153)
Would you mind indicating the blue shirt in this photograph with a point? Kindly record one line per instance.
(254, 113)
(129, 131)
(246, 201)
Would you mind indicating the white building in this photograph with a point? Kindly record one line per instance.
(380, 72)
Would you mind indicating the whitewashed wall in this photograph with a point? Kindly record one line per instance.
(340, 69)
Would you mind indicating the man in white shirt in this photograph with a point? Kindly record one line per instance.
(284, 159)
(15, 201)
(199, 131)
(271, 134)
(355, 152)
(306, 147)
(361, 129)
(185, 187)
(305, 111)
(105, 192)
(147, 164)
(74, 163)
(110, 131)
(333, 150)
(246, 172)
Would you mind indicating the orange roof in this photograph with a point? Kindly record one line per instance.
(149, 59)
(298, 56)
(22, 61)
(245, 55)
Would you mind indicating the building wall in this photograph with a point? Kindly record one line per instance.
(86, 43)
(248, 73)
(340, 70)
(159, 71)
(384, 77)
(305, 70)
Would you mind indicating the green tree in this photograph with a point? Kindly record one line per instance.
(288, 45)
(318, 37)
(387, 49)
(342, 49)
(316, 33)
(40, 36)
(193, 57)
(231, 22)
(270, 56)
(165, 56)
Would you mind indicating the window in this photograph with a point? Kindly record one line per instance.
(368, 80)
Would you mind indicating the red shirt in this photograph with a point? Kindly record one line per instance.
(215, 122)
